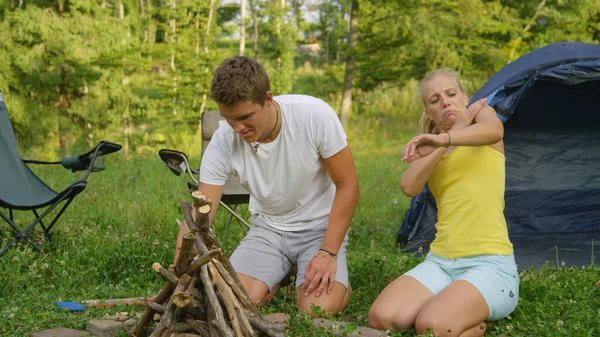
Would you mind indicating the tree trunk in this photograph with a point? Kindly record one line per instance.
(206, 35)
(242, 27)
(280, 7)
(173, 41)
(255, 29)
(350, 58)
(121, 9)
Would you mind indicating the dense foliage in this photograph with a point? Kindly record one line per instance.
(137, 72)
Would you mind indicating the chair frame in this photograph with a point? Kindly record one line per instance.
(178, 163)
(75, 163)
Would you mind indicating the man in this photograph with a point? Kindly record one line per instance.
(291, 154)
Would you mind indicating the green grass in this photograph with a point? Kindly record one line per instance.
(125, 220)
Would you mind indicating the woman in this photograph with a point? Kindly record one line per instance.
(469, 276)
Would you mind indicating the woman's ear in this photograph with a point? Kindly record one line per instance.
(426, 113)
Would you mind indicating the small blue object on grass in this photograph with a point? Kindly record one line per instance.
(70, 306)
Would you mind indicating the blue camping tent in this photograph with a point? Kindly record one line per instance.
(548, 101)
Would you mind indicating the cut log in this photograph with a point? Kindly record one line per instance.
(151, 305)
(166, 274)
(267, 328)
(166, 320)
(202, 260)
(227, 296)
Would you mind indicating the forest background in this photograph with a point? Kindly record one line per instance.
(137, 72)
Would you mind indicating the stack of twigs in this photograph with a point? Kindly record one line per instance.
(203, 295)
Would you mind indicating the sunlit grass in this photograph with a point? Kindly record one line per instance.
(126, 219)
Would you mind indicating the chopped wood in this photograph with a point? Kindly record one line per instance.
(187, 214)
(188, 304)
(237, 287)
(267, 328)
(141, 328)
(227, 296)
(202, 260)
(219, 320)
(166, 274)
(151, 305)
(186, 253)
(166, 320)
(199, 327)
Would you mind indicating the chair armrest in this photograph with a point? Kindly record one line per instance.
(91, 160)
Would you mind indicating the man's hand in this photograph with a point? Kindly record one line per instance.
(319, 275)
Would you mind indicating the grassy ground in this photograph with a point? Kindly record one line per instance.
(125, 220)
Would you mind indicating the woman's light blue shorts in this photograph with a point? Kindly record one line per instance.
(495, 276)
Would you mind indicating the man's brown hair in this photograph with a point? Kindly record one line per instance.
(239, 79)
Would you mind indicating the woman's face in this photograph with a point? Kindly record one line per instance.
(445, 103)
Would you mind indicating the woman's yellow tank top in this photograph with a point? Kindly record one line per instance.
(468, 186)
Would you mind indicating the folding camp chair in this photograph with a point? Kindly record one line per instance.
(233, 192)
(22, 190)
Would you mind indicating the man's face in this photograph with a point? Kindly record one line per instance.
(248, 119)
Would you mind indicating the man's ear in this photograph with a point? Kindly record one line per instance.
(269, 98)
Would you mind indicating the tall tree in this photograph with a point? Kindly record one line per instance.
(242, 27)
(350, 59)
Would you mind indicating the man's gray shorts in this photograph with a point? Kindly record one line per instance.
(267, 254)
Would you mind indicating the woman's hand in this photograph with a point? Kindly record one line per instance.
(468, 118)
(422, 146)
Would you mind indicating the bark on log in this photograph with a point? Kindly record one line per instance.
(199, 327)
(166, 320)
(267, 328)
(189, 304)
(150, 305)
(202, 260)
(186, 253)
(203, 206)
(219, 320)
(166, 274)
(231, 277)
(227, 296)
(187, 215)
(141, 328)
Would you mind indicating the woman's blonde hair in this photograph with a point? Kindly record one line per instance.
(426, 124)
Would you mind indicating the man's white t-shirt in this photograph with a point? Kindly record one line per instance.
(290, 188)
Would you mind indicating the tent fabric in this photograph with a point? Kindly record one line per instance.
(552, 145)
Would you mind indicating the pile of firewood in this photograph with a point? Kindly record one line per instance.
(203, 295)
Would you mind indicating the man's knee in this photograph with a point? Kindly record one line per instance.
(256, 289)
(333, 303)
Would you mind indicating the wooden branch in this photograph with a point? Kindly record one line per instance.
(203, 206)
(187, 215)
(199, 327)
(227, 296)
(231, 277)
(267, 328)
(189, 304)
(166, 320)
(150, 305)
(213, 301)
(202, 260)
(140, 329)
(244, 322)
(185, 335)
(186, 252)
(167, 275)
